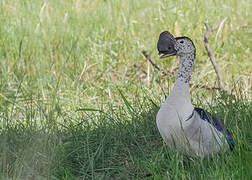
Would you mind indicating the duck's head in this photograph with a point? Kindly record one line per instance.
(169, 46)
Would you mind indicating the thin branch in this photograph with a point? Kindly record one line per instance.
(147, 56)
(141, 69)
(212, 59)
(219, 29)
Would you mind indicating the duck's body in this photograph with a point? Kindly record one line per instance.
(182, 126)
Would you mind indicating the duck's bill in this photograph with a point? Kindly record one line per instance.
(161, 56)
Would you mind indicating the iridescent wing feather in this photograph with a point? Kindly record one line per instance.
(206, 116)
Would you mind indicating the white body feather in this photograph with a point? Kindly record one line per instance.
(192, 136)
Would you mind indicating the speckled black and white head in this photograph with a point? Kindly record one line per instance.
(182, 47)
(170, 46)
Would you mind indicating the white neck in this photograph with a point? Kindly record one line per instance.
(180, 97)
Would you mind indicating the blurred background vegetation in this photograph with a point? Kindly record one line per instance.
(64, 61)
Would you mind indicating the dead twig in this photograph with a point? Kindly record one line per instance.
(140, 68)
(209, 53)
(219, 28)
(167, 73)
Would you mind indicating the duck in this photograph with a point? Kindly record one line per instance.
(183, 127)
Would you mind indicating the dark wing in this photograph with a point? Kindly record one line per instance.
(206, 116)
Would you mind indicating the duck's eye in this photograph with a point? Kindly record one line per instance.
(181, 42)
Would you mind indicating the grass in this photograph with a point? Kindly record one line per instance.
(73, 105)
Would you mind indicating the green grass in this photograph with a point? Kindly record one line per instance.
(73, 105)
